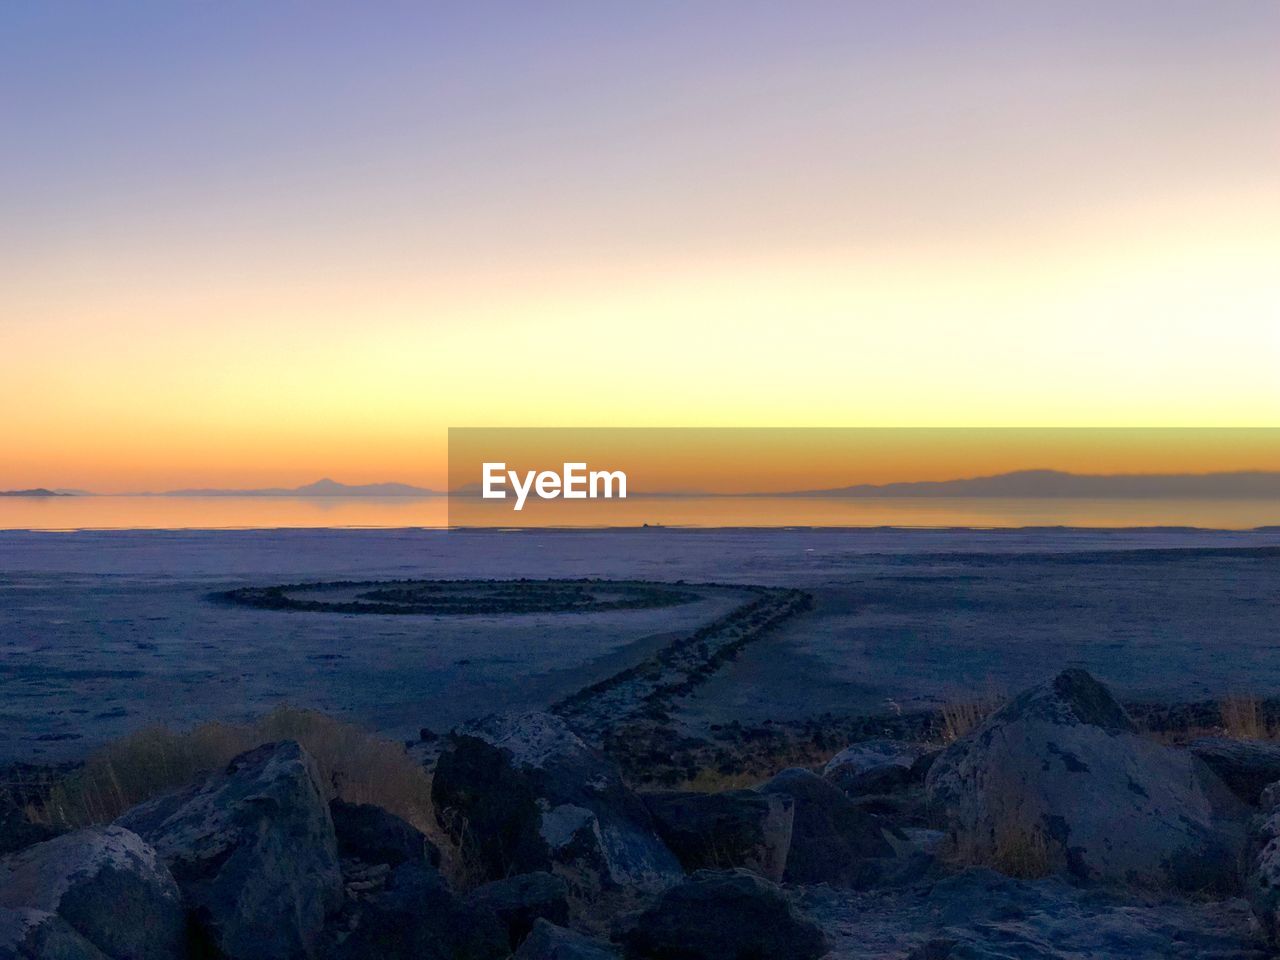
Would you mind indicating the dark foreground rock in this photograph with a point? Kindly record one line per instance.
(27, 934)
(550, 942)
(724, 915)
(522, 900)
(1061, 775)
(1262, 881)
(373, 835)
(738, 828)
(253, 851)
(832, 839)
(416, 917)
(18, 832)
(1246, 766)
(522, 793)
(982, 915)
(100, 891)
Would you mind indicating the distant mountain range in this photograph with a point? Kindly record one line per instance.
(321, 488)
(1243, 484)
(1030, 484)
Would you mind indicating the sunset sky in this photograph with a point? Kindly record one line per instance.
(256, 243)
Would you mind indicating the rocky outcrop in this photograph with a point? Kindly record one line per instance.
(550, 942)
(724, 915)
(416, 917)
(1246, 766)
(253, 851)
(522, 793)
(372, 835)
(738, 828)
(97, 892)
(1061, 775)
(832, 839)
(521, 901)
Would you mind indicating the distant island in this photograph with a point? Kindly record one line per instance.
(1243, 484)
(35, 492)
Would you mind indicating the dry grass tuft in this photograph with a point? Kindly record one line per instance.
(710, 780)
(1243, 718)
(1022, 853)
(355, 765)
(1015, 850)
(961, 717)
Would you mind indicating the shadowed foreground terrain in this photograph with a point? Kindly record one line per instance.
(939, 781)
(1055, 828)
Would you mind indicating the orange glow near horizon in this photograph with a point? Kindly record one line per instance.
(248, 251)
(787, 460)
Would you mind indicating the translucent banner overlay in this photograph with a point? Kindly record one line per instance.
(826, 477)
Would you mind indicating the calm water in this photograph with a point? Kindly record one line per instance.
(104, 513)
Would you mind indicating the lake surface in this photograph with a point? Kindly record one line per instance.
(222, 513)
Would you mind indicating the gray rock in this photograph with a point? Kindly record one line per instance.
(979, 914)
(416, 917)
(879, 767)
(1262, 880)
(724, 915)
(868, 754)
(550, 942)
(27, 934)
(1246, 766)
(738, 828)
(522, 900)
(253, 850)
(522, 792)
(832, 839)
(1061, 775)
(373, 835)
(105, 884)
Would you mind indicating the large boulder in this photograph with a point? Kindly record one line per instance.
(550, 942)
(253, 850)
(1059, 779)
(417, 917)
(832, 839)
(738, 828)
(724, 915)
(1246, 766)
(522, 900)
(101, 888)
(373, 835)
(522, 792)
(27, 934)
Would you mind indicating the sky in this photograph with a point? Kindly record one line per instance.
(250, 244)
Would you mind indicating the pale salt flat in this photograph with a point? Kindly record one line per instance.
(103, 632)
